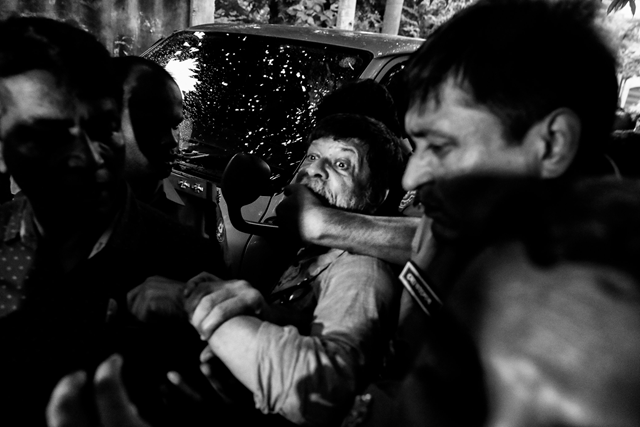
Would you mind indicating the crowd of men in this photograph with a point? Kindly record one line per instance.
(518, 299)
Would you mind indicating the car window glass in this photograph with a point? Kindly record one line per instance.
(252, 94)
(395, 84)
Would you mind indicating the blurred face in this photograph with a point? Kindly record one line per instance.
(559, 345)
(456, 137)
(337, 172)
(61, 152)
(150, 127)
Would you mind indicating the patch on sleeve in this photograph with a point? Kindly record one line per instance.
(417, 286)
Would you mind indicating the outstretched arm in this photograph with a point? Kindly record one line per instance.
(305, 217)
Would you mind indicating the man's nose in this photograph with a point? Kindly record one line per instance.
(95, 150)
(318, 169)
(420, 170)
(86, 152)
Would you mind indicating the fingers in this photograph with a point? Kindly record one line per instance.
(216, 308)
(157, 296)
(290, 188)
(114, 407)
(218, 315)
(65, 406)
(206, 354)
(203, 277)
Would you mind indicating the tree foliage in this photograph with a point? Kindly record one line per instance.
(616, 5)
(419, 17)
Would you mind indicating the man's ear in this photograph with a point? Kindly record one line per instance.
(560, 135)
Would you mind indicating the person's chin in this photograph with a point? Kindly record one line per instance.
(443, 231)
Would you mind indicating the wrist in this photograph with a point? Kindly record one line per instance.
(314, 229)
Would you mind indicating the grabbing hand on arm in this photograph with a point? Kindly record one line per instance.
(210, 302)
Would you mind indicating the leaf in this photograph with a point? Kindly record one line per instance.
(616, 5)
(632, 5)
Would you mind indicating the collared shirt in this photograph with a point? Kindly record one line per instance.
(59, 323)
(17, 252)
(310, 373)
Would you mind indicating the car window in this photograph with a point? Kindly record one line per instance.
(395, 84)
(252, 94)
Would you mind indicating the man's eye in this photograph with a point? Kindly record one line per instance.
(311, 157)
(340, 164)
(439, 149)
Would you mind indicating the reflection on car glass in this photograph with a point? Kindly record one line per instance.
(252, 94)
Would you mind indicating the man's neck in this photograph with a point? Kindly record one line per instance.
(70, 236)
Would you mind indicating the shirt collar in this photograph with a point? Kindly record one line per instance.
(22, 223)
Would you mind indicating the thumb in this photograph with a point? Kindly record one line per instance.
(65, 407)
(114, 407)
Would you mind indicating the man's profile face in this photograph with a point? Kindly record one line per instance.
(456, 137)
(338, 172)
(150, 127)
(559, 345)
(60, 151)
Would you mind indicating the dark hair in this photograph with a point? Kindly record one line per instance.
(75, 58)
(522, 59)
(132, 72)
(366, 97)
(384, 154)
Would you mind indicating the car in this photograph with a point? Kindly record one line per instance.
(250, 88)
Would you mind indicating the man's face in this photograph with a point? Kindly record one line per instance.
(61, 152)
(150, 127)
(559, 345)
(455, 137)
(338, 172)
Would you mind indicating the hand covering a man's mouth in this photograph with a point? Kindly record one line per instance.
(317, 188)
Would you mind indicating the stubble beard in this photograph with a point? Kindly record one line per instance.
(356, 201)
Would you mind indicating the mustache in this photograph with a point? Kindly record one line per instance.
(317, 187)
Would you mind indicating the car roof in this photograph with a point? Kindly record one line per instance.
(378, 44)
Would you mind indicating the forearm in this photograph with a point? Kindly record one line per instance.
(288, 372)
(387, 238)
(235, 342)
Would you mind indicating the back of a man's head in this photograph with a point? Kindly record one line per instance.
(74, 57)
(553, 303)
(523, 59)
(366, 97)
(384, 154)
(134, 72)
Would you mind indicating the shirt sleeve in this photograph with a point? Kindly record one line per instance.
(313, 379)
